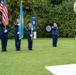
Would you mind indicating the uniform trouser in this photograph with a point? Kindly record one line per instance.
(54, 39)
(17, 42)
(30, 41)
(4, 40)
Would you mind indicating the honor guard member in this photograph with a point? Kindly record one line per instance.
(16, 34)
(30, 35)
(4, 35)
(0, 29)
(55, 34)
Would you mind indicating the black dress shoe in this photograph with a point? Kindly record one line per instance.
(30, 49)
(54, 46)
(18, 50)
(4, 50)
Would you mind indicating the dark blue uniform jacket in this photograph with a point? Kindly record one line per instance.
(2, 28)
(55, 30)
(16, 28)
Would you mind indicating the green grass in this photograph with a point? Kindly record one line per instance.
(33, 62)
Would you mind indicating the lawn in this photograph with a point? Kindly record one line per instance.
(26, 62)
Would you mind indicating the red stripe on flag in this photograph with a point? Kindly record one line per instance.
(4, 11)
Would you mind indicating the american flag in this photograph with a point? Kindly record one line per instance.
(3, 9)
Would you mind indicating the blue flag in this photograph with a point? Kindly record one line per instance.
(21, 27)
(33, 20)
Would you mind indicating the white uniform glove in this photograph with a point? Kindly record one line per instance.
(18, 24)
(18, 33)
(30, 35)
(5, 31)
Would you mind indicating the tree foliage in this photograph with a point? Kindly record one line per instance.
(60, 11)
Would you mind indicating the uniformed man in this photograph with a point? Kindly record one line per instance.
(16, 34)
(0, 29)
(55, 34)
(4, 36)
(30, 35)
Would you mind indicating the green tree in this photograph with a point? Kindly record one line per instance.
(60, 11)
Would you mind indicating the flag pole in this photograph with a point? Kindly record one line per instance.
(75, 45)
(74, 8)
(20, 20)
